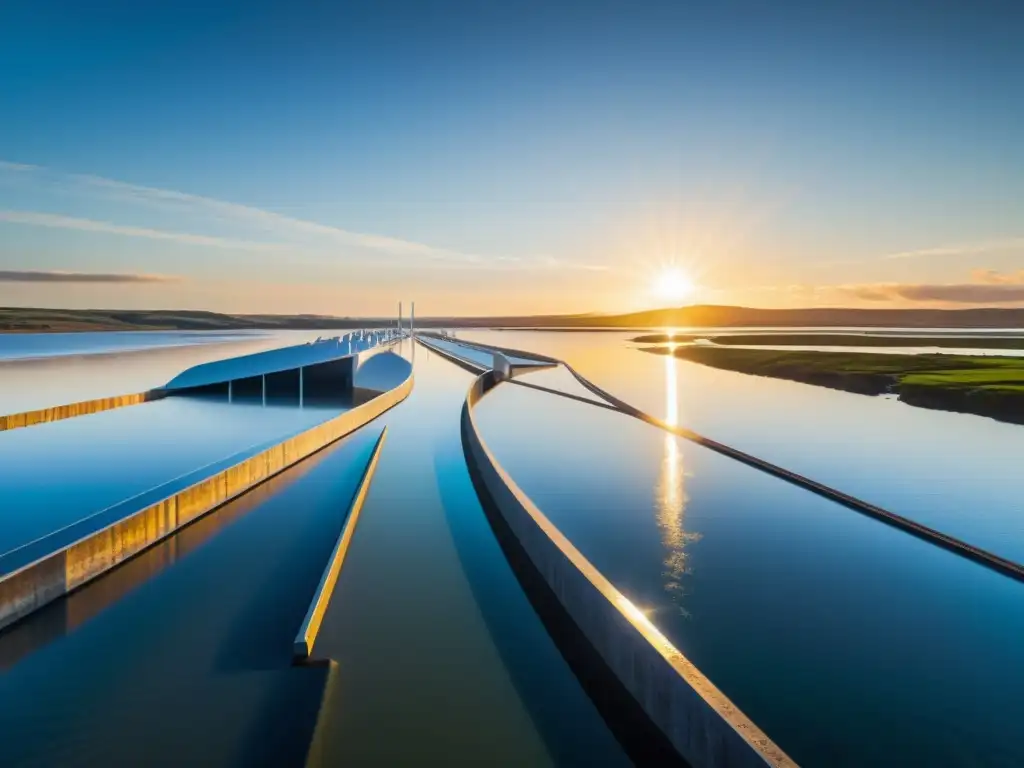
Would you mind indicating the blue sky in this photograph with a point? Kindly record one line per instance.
(509, 157)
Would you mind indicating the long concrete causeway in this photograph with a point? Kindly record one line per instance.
(261, 608)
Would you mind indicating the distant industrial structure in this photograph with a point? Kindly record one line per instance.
(412, 319)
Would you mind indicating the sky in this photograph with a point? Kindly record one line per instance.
(500, 158)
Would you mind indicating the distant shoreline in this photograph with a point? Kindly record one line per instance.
(969, 341)
(49, 320)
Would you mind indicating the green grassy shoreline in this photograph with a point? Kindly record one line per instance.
(979, 341)
(982, 385)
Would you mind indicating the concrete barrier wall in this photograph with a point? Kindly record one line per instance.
(699, 720)
(54, 575)
(306, 637)
(60, 412)
(464, 364)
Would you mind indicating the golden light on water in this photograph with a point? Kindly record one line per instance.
(671, 495)
(671, 388)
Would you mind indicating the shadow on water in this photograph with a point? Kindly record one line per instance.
(641, 741)
(265, 626)
(282, 732)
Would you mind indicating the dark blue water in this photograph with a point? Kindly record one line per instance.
(848, 642)
(55, 474)
(182, 655)
(443, 660)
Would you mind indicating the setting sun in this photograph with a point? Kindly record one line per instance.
(672, 284)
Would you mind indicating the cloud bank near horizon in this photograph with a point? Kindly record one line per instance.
(53, 276)
(987, 287)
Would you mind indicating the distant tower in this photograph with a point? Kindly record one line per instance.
(399, 317)
(412, 319)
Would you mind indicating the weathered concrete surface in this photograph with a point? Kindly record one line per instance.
(48, 578)
(306, 637)
(71, 410)
(699, 720)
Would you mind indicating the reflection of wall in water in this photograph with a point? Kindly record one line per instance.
(670, 503)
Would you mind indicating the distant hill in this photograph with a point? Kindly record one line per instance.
(18, 319)
(25, 320)
(721, 316)
(713, 316)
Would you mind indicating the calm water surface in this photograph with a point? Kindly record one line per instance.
(957, 472)
(15, 346)
(850, 643)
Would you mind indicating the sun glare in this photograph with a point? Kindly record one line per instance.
(672, 284)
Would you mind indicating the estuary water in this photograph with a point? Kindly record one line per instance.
(848, 642)
(182, 655)
(956, 472)
(28, 346)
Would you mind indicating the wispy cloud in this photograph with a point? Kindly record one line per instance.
(296, 234)
(284, 226)
(47, 276)
(964, 249)
(55, 221)
(16, 167)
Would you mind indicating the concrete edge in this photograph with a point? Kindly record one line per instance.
(703, 725)
(302, 648)
(50, 577)
(475, 368)
(72, 410)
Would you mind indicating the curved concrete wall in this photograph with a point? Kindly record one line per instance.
(379, 370)
(60, 412)
(54, 575)
(699, 720)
